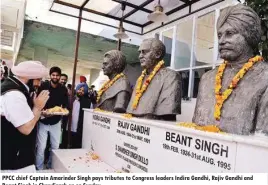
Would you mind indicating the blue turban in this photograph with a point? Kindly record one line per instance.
(82, 85)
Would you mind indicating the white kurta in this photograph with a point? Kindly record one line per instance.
(14, 106)
(75, 115)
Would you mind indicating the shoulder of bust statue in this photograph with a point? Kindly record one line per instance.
(210, 74)
(169, 73)
(264, 68)
(124, 83)
(265, 63)
(121, 85)
(165, 71)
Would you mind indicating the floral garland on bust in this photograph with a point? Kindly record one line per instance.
(100, 110)
(140, 89)
(126, 115)
(205, 128)
(107, 85)
(221, 97)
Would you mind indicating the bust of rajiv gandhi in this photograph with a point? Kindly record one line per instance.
(116, 97)
(162, 99)
(246, 109)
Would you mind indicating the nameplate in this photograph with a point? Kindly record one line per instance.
(134, 146)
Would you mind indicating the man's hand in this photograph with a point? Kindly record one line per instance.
(41, 100)
(39, 103)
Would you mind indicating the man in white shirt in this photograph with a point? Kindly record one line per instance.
(19, 115)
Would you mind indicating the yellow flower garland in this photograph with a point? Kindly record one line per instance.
(222, 97)
(206, 128)
(140, 89)
(127, 115)
(100, 110)
(107, 85)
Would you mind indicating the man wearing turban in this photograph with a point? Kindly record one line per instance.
(80, 102)
(114, 96)
(246, 108)
(19, 116)
(83, 79)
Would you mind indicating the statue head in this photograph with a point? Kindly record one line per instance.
(239, 32)
(114, 63)
(151, 52)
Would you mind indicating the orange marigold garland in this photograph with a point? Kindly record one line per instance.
(206, 128)
(107, 85)
(221, 97)
(95, 156)
(140, 89)
(127, 116)
(100, 110)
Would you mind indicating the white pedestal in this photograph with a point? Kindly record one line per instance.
(138, 145)
(77, 161)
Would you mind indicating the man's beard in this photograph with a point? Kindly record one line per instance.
(55, 81)
(79, 94)
(32, 88)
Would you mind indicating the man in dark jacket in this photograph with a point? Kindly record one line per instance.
(92, 94)
(19, 116)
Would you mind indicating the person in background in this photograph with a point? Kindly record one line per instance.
(63, 79)
(93, 95)
(80, 102)
(65, 120)
(69, 88)
(83, 79)
(19, 116)
(4, 71)
(51, 124)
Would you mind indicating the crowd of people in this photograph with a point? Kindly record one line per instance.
(28, 132)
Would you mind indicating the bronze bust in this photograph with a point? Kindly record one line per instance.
(115, 95)
(246, 108)
(162, 97)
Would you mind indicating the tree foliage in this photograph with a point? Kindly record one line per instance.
(261, 7)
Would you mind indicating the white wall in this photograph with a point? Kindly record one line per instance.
(94, 74)
(101, 79)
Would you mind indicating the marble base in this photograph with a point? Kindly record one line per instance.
(141, 145)
(78, 161)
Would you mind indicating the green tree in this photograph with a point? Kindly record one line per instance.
(261, 7)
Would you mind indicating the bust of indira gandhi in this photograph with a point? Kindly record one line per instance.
(115, 94)
(157, 93)
(235, 95)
